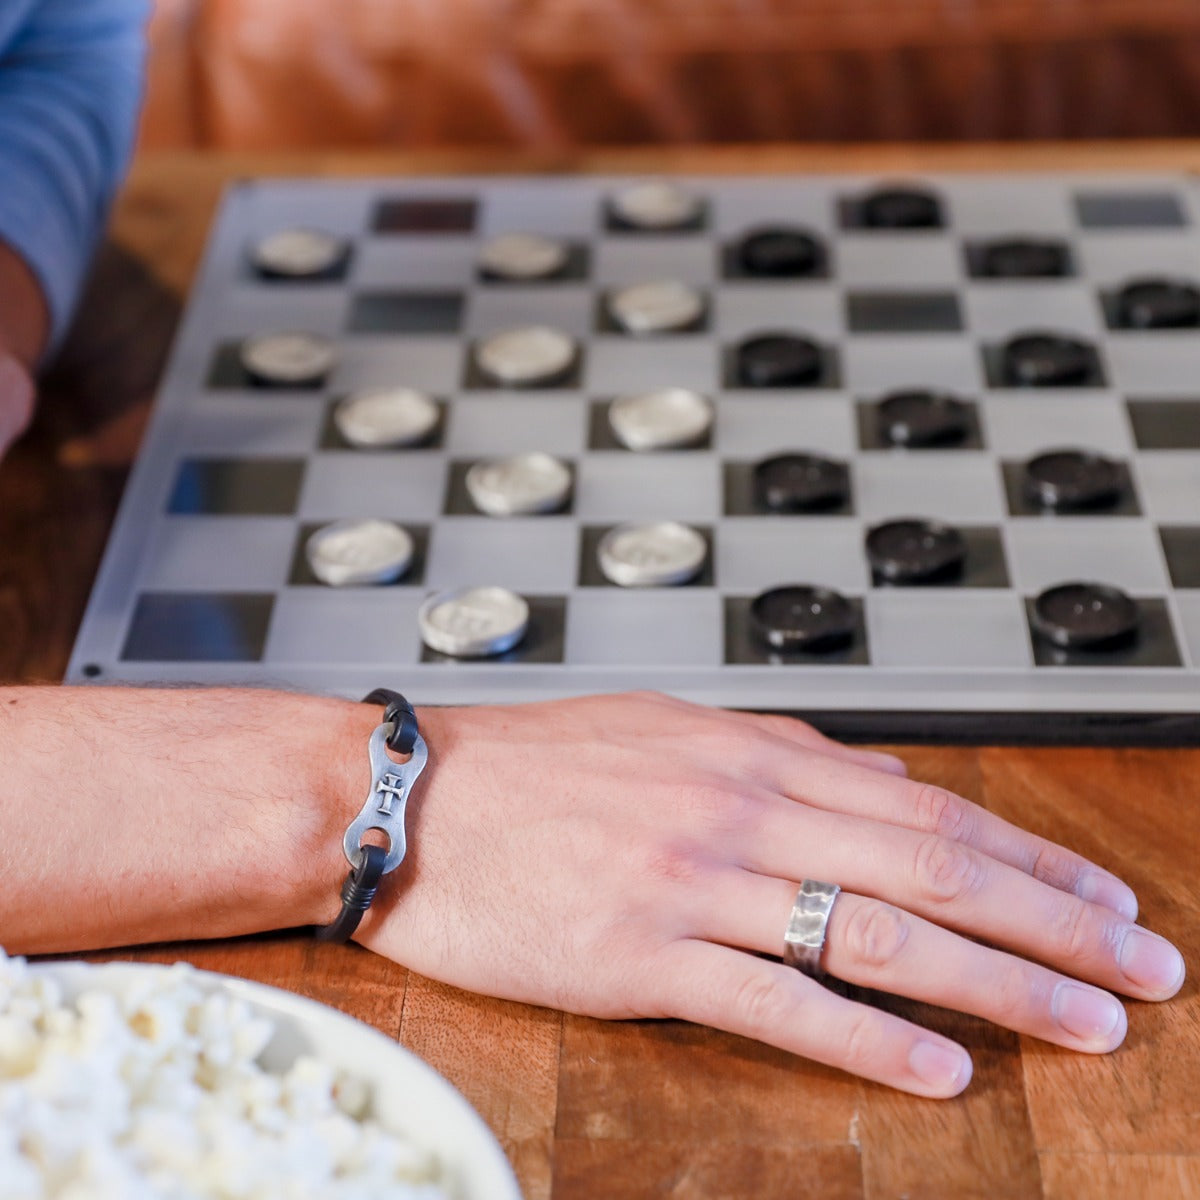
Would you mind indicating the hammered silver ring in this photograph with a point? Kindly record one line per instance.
(805, 936)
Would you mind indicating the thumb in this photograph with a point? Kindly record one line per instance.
(16, 400)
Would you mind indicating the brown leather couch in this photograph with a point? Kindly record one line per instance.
(552, 73)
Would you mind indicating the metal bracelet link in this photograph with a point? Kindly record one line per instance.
(383, 810)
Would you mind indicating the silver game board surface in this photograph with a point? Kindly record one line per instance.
(205, 578)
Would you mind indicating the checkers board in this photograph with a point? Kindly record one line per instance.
(205, 579)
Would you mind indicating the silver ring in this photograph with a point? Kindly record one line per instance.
(805, 936)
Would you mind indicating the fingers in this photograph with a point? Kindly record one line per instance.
(925, 808)
(960, 888)
(734, 991)
(877, 945)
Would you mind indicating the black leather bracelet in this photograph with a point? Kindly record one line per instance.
(384, 809)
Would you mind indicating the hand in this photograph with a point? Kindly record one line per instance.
(618, 856)
(16, 399)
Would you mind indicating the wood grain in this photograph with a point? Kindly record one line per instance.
(590, 1110)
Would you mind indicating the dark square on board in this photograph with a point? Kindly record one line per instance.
(198, 627)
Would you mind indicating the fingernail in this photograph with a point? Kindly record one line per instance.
(1151, 962)
(1085, 1012)
(946, 1068)
(1098, 888)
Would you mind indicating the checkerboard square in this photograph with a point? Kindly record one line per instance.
(1166, 424)
(237, 486)
(755, 553)
(613, 627)
(198, 627)
(526, 554)
(947, 629)
(406, 312)
(1181, 545)
(346, 626)
(1125, 554)
(902, 312)
(427, 215)
(956, 488)
(1129, 209)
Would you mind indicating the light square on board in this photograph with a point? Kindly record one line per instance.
(1165, 362)
(413, 262)
(494, 425)
(947, 629)
(741, 310)
(667, 486)
(1004, 308)
(526, 554)
(963, 487)
(568, 307)
(373, 485)
(360, 625)
(881, 363)
(1122, 553)
(1169, 481)
(627, 260)
(903, 260)
(1022, 423)
(616, 365)
(751, 424)
(431, 364)
(214, 554)
(675, 628)
(756, 553)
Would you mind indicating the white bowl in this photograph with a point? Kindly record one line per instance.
(408, 1097)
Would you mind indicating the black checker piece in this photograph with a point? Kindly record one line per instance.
(790, 483)
(1046, 360)
(1085, 616)
(800, 617)
(915, 552)
(1070, 480)
(778, 360)
(1158, 304)
(901, 208)
(1022, 258)
(919, 417)
(780, 251)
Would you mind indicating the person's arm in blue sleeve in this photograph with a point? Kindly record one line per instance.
(70, 89)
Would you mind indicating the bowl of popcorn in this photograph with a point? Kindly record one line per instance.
(139, 1082)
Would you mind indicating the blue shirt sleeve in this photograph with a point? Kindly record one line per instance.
(70, 90)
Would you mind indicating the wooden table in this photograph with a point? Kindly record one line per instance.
(590, 1110)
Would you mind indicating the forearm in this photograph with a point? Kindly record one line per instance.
(136, 815)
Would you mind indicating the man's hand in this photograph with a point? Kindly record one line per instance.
(635, 856)
(16, 399)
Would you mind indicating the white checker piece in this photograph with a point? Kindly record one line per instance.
(520, 485)
(662, 419)
(357, 552)
(298, 253)
(386, 417)
(525, 355)
(473, 622)
(654, 554)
